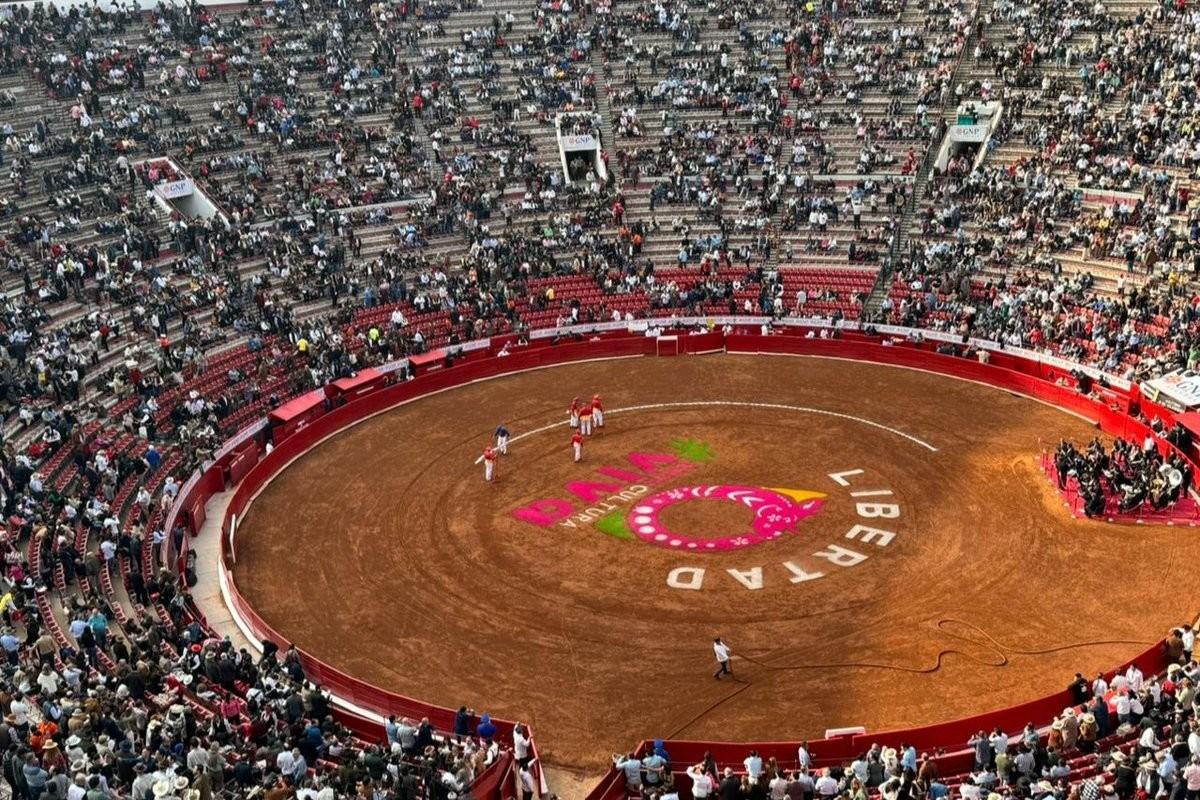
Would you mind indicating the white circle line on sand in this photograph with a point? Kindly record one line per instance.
(737, 404)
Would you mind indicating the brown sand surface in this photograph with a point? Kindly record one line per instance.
(384, 553)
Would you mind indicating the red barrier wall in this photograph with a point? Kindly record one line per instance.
(702, 342)
(1006, 371)
(296, 413)
(241, 464)
(343, 390)
(209, 484)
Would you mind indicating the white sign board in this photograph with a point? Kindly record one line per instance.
(968, 133)
(579, 142)
(1181, 386)
(172, 190)
(1108, 197)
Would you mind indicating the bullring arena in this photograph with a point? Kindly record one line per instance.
(977, 589)
(911, 563)
(891, 309)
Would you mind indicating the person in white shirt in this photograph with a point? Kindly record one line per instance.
(1148, 741)
(826, 786)
(754, 766)
(722, 652)
(969, 791)
(19, 708)
(526, 783)
(285, 762)
(48, 680)
(778, 787)
(1123, 707)
(1135, 678)
(521, 745)
(701, 783)
(803, 757)
(315, 792)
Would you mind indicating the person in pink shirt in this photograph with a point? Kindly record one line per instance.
(1191, 774)
(231, 709)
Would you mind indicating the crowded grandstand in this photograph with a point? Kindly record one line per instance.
(207, 211)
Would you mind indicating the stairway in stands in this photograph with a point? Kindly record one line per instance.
(604, 109)
(962, 68)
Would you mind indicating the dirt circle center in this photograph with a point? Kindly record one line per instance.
(707, 518)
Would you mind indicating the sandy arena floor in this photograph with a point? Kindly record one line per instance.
(384, 553)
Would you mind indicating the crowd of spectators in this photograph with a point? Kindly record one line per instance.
(1129, 736)
(1078, 233)
(389, 182)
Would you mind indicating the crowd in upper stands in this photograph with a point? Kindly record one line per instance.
(388, 181)
(1077, 234)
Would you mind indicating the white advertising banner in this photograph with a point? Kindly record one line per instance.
(578, 142)
(968, 133)
(1181, 386)
(172, 190)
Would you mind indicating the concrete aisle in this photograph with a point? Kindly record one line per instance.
(207, 592)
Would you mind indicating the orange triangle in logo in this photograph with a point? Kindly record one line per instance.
(800, 495)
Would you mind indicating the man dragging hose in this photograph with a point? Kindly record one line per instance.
(723, 654)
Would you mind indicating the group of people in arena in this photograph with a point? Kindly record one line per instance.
(1128, 474)
(389, 184)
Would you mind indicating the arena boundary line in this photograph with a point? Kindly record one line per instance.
(736, 404)
(992, 386)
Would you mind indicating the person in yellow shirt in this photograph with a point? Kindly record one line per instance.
(302, 345)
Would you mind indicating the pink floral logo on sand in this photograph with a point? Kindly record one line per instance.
(776, 512)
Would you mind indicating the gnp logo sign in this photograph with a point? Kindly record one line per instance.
(627, 503)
